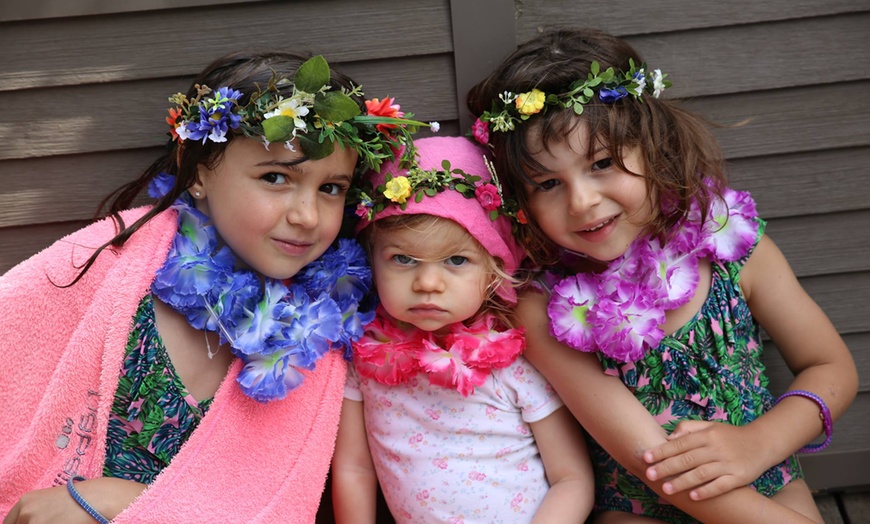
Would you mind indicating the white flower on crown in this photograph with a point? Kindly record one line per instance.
(658, 83)
(294, 108)
(640, 80)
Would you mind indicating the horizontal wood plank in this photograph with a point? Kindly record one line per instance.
(28, 10)
(790, 120)
(629, 17)
(845, 298)
(756, 57)
(805, 183)
(829, 509)
(857, 506)
(140, 45)
(838, 471)
(780, 376)
(79, 121)
(824, 244)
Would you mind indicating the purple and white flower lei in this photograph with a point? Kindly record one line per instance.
(618, 311)
(274, 328)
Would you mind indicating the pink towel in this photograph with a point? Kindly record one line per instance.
(60, 356)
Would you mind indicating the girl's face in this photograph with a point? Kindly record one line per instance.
(275, 215)
(430, 280)
(587, 204)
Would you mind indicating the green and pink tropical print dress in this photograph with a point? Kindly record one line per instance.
(153, 415)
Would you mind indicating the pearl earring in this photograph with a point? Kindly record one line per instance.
(197, 194)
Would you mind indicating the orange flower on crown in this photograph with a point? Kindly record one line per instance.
(386, 108)
(173, 121)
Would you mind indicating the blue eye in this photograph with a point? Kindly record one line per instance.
(403, 260)
(456, 260)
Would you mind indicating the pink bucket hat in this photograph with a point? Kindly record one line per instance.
(494, 235)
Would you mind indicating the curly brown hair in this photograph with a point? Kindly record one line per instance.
(681, 159)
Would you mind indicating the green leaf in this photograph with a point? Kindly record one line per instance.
(445, 165)
(588, 93)
(312, 75)
(335, 106)
(418, 197)
(315, 149)
(578, 109)
(431, 191)
(462, 188)
(595, 67)
(493, 214)
(278, 128)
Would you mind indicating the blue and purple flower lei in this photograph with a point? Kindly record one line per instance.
(274, 328)
(618, 311)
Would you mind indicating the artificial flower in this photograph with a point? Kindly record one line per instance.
(292, 108)
(392, 352)
(521, 217)
(531, 102)
(611, 85)
(174, 121)
(273, 328)
(488, 196)
(609, 96)
(434, 126)
(386, 107)
(480, 131)
(398, 189)
(658, 83)
(619, 310)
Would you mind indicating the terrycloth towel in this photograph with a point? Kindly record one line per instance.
(60, 358)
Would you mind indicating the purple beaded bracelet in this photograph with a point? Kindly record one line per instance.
(824, 414)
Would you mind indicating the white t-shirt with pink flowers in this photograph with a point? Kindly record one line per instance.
(441, 457)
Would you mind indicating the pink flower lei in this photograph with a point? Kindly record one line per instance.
(392, 352)
(618, 311)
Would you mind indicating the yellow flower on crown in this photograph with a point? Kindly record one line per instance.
(531, 102)
(398, 189)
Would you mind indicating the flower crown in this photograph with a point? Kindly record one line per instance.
(313, 114)
(511, 109)
(420, 183)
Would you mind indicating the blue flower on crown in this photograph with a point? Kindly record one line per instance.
(609, 96)
(216, 118)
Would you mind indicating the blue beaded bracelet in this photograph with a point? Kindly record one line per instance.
(74, 493)
(824, 414)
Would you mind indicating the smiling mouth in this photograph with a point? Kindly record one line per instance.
(599, 226)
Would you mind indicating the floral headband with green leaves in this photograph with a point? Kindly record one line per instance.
(420, 183)
(511, 109)
(313, 115)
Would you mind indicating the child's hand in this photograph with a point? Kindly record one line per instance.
(710, 458)
(50, 505)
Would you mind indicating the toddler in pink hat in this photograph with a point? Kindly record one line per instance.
(440, 408)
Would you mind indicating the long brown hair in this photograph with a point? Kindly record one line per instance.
(682, 161)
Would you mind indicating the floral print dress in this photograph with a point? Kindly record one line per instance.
(153, 415)
(709, 369)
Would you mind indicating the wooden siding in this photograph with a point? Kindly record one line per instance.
(794, 75)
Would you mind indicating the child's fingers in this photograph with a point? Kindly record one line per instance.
(689, 426)
(694, 462)
(676, 445)
(721, 485)
(693, 478)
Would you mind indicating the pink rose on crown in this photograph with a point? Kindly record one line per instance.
(487, 195)
(480, 131)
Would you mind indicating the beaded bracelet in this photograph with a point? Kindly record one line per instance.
(824, 414)
(74, 493)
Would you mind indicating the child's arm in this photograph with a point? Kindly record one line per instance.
(611, 414)
(569, 471)
(354, 482)
(109, 496)
(712, 458)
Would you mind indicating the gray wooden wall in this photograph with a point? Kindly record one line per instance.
(83, 88)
